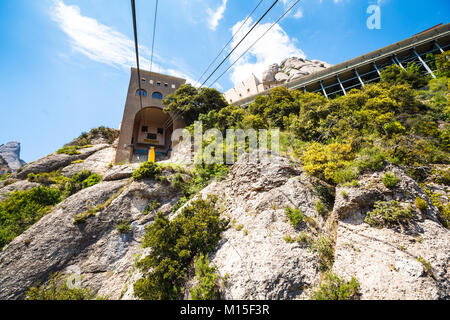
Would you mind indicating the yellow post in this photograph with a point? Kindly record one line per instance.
(152, 155)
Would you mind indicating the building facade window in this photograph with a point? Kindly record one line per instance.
(144, 128)
(157, 95)
(141, 92)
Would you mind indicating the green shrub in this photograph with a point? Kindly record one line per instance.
(70, 150)
(147, 170)
(426, 264)
(421, 204)
(152, 206)
(295, 216)
(49, 178)
(288, 239)
(201, 176)
(370, 159)
(324, 246)
(335, 288)
(443, 64)
(444, 210)
(197, 229)
(390, 180)
(177, 182)
(304, 238)
(124, 227)
(206, 276)
(21, 209)
(320, 207)
(411, 76)
(4, 176)
(56, 288)
(324, 162)
(389, 213)
(81, 180)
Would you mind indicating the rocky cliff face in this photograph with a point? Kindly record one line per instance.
(10, 152)
(291, 69)
(261, 255)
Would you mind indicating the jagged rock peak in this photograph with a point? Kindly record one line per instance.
(11, 154)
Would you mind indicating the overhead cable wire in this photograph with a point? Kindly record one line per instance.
(223, 49)
(154, 35)
(229, 41)
(276, 22)
(133, 9)
(176, 116)
(246, 35)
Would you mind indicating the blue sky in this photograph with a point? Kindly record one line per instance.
(64, 64)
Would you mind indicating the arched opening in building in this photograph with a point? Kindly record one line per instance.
(157, 95)
(150, 130)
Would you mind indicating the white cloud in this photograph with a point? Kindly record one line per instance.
(95, 40)
(272, 48)
(299, 14)
(102, 43)
(214, 17)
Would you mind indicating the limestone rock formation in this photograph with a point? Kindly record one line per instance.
(291, 69)
(57, 161)
(390, 263)
(258, 261)
(10, 152)
(259, 255)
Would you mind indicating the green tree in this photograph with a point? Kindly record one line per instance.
(192, 102)
(397, 75)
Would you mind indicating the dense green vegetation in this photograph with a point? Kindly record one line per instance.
(56, 288)
(175, 244)
(68, 186)
(21, 209)
(403, 120)
(334, 287)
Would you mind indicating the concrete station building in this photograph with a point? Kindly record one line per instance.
(149, 126)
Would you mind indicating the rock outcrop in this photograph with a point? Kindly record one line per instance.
(391, 263)
(57, 161)
(258, 257)
(10, 152)
(291, 69)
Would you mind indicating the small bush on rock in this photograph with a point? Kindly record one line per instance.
(390, 180)
(295, 216)
(147, 170)
(389, 213)
(421, 204)
(57, 289)
(335, 288)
